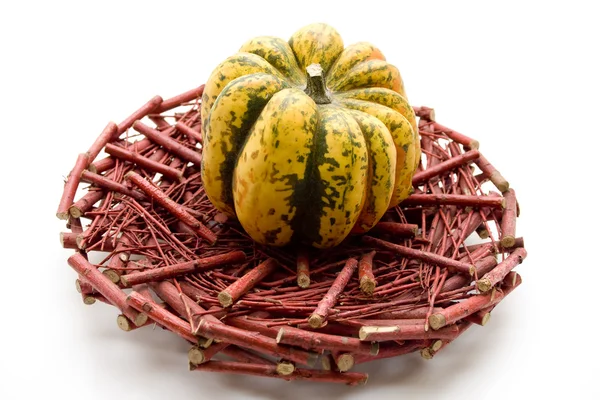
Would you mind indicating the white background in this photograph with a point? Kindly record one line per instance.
(522, 77)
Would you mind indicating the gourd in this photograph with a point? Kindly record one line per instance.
(306, 140)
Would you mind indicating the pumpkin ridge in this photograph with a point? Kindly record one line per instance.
(234, 113)
(382, 164)
(279, 54)
(384, 97)
(371, 73)
(316, 44)
(238, 65)
(342, 165)
(266, 177)
(308, 194)
(402, 134)
(352, 55)
(395, 101)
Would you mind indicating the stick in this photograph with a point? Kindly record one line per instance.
(389, 350)
(70, 188)
(496, 275)
(303, 269)
(197, 355)
(126, 325)
(405, 332)
(170, 144)
(161, 316)
(481, 317)
(454, 199)
(174, 208)
(240, 287)
(243, 322)
(189, 132)
(425, 113)
(87, 291)
(241, 355)
(492, 174)
(414, 313)
(467, 307)
(231, 367)
(482, 267)
(68, 240)
(102, 165)
(105, 287)
(509, 220)
(85, 203)
(457, 137)
(170, 271)
(178, 301)
(254, 341)
(366, 278)
(316, 340)
(319, 316)
(433, 258)
(111, 185)
(396, 229)
(144, 162)
(180, 99)
(445, 166)
(344, 361)
(108, 135)
(144, 110)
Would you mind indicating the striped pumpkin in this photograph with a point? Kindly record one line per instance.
(306, 140)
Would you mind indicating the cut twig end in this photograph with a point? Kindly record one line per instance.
(124, 280)
(78, 285)
(437, 321)
(140, 319)
(225, 299)
(427, 353)
(285, 368)
(196, 356)
(499, 181)
(484, 285)
(436, 345)
(63, 215)
(123, 323)
(315, 321)
(112, 275)
(474, 144)
(280, 334)
(75, 212)
(303, 281)
(344, 362)
(129, 174)
(367, 285)
(508, 241)
(326, 362)
(486, 319)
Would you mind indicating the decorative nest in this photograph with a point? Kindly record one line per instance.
(148, 242)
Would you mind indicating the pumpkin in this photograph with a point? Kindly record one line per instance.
(306, 140)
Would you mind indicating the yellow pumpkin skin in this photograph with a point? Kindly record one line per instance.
(301, 158)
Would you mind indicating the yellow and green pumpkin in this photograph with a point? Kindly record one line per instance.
(306, 140)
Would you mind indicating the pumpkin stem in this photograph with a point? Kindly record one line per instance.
(316, 88)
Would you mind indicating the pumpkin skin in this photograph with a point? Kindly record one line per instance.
(306, 140)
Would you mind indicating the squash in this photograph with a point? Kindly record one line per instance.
(306, 140)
